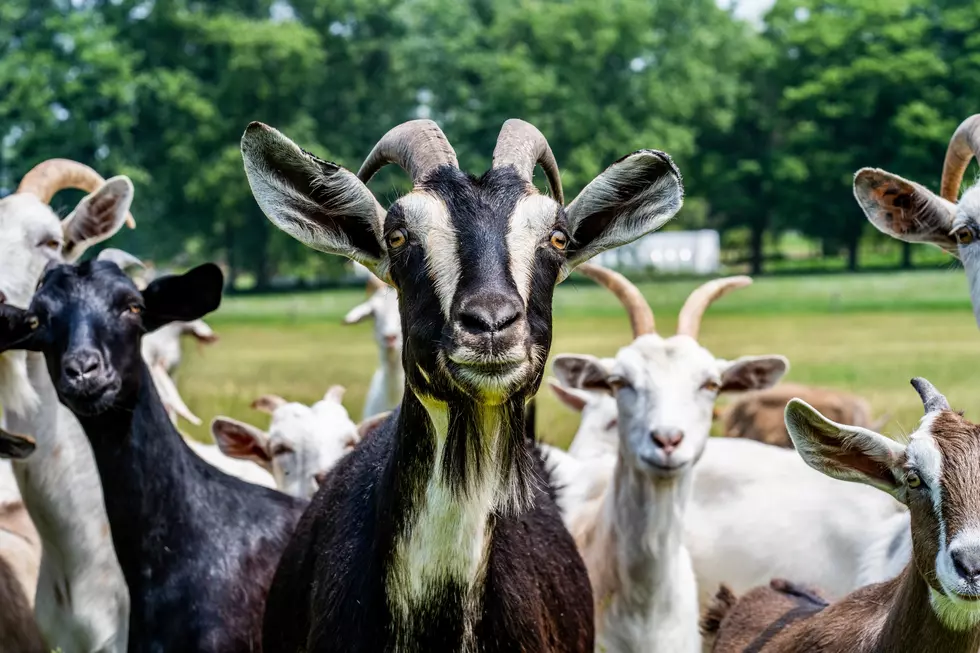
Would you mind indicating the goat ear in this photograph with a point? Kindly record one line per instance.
(582, 372)
(571, 397)
(318, 203)
(15, 446)
(97, 217)
(18, 329)
(370, 426)
(268, 403)
(631, 198)
(182, 298)
(201, 332)
(359, 313)
(753, 373)
(335, 394)
(240, 440)
(904, 209)
(849, 453)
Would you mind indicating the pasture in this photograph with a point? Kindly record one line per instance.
(866, 333)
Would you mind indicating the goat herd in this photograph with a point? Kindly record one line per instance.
(443, 525)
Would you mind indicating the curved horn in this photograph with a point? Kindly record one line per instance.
(932, 400)
(963, 146)
(375, 284)
(689, 320)
(640, 313)
(523, 146)
(48, 177)
(418, 146)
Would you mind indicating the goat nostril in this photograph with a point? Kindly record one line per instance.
(967, 563)
(667, 439)
(82, 367)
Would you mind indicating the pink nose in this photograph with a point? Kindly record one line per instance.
(391, 341)
(667, 439)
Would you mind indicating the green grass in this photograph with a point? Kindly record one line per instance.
(867, 333)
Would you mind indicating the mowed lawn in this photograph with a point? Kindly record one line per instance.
(867, 333)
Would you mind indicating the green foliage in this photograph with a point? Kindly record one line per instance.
(768, 122)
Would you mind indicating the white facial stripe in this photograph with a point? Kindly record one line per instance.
(530, 223)
(923, 454)
(427, 218)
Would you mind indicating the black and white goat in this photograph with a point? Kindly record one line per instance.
(440, 532)
(198, 548)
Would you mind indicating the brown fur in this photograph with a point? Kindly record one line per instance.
(759, 415)
(20, 544)
(715, 613)
(18, 630)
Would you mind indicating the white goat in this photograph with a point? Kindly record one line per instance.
(665, 388)
(82, 603)
(302, 441)
(388, 381)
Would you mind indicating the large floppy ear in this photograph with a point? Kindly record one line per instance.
(17, 329)
(240, 440)
(15, 446)
(849, 453)
(753, 373)
(182, 298)
(904, 209)
(582, 372)
(318, 203)
(97, 217)
(631, 198)
(359, 313)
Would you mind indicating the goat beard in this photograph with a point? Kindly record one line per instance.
(17, 395)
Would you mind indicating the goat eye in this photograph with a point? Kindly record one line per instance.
(280, 448)
(134, 309)
(559, 240)
(711, 386)
(52, 243)
(397, 238)
(617, 382)
(912, 480)
(963, 236)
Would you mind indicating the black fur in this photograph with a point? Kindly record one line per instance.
(198, 548)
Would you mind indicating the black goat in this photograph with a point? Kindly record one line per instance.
(198, 548)
(440, 533)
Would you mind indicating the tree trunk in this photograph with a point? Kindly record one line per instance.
(852, 252)
(756, 244)
(906, 256)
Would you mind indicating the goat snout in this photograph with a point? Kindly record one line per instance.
(490, 314)
(391, 341)
(667, 439)
(83, 365)
(966, 561)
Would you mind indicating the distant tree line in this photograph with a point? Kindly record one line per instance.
(767, 121)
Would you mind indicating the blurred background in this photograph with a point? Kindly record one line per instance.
(767, 107)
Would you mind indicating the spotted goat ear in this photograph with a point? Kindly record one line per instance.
(320, 204)
(631, 198)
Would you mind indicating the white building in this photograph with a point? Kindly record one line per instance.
(696, 252)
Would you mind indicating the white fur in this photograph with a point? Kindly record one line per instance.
(531, 224)
(59, 482)
(302, 441)
(427, 218)
(388, 381)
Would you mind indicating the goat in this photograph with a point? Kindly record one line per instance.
(302, 441)
(388, 380)
(727, 536)
(933, 604)
(440, 532)
(81, 603)
(18, 630)
(665, 388)
(162, 352)
(911, 212)
(759, 415)
(197, 547)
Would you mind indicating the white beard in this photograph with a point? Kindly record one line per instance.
(17, 395)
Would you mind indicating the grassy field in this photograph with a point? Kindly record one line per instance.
(865, 333)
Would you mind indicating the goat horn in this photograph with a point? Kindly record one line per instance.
(640, 313)
(932, 400)
(375, 284)
(523, 146)
(963, 146)
(48, 177)
(417, 146)
(689, 320)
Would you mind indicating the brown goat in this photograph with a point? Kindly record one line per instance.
(934, 604)
(18, 630)
(759, 415)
